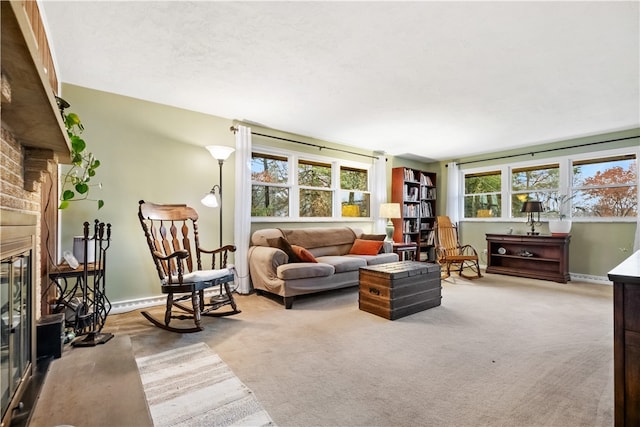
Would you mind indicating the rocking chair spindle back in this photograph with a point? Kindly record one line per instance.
(172, 237)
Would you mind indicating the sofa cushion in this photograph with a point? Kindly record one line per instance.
(378, 259)
(303, 254)
(365, 247)
(282, 244)
(319, 237)
(378, 237)
(343, 263)
(304, 271)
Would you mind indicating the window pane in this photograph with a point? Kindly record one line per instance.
(315, 203)
(489, 182)
(355, 204)
(267, 168)
(606, 202)
(314, 174)
(269, 201)
(604, 172)
(534, 178)
(482, 206)
(482, 195)
(605, 187)
(353, 179)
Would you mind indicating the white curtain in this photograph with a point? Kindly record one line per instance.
(379, 192)
(453, 189)
(242, 223)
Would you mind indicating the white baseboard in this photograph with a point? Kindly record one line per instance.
(600, 280)
(118, 307)
(135, 304)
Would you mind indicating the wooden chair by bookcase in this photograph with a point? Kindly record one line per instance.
(172, 236)
(449, 251)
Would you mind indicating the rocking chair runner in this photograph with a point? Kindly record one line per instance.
(450, 252)
(177, 257)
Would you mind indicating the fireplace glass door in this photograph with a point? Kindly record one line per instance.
(15, 297)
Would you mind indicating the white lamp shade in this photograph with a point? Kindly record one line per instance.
(390, 210)
(220, 152)
(210, 200)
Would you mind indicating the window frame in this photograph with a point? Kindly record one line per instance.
(294, 187)
(565, 182)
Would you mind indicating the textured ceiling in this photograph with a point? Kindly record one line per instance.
(438, 80)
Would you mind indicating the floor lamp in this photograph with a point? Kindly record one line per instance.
(220, 153)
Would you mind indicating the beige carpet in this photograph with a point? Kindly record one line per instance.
(500, 351)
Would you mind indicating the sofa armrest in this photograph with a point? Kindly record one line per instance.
(263, 266)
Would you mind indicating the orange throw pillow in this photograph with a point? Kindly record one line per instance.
(366, 247)
(303, 254)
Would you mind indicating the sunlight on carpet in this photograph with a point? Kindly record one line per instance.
(192, 386)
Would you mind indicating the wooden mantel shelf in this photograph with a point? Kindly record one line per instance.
(29, 108)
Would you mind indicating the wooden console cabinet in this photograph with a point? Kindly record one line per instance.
(538, 257)
(626, 341)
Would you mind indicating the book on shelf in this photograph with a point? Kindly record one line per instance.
(426, 180)
(425, 209)
(409, 175)
(410, 193)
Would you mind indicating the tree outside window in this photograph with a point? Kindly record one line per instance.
(605, 187)
(482, 195)
(270, 190)
(316, 198)
(355, 199)
(540, 183)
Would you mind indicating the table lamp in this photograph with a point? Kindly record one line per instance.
(389, 210)
(532, 207)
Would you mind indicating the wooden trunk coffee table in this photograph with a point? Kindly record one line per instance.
(398, 289)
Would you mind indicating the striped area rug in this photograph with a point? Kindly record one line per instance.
(192, 386)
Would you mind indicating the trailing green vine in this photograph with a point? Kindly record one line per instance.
(76, 181)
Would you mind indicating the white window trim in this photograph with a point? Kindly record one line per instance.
(292, 185)
(565, 163)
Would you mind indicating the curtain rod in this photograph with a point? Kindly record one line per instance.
(532, 153)
(320, 147)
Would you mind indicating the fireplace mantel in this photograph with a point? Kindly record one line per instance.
(29, 108)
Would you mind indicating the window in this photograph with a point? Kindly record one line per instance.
(354, 197)
(482, 194)
(533, 183)
(270, 190)
(590, 187)
(315, 195)
(605, 187)
(294, 186)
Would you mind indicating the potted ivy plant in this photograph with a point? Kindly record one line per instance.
(560, 226)
(76, 182)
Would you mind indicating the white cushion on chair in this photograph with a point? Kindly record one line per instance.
(204, 275)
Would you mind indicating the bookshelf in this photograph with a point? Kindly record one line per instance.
(415, 191)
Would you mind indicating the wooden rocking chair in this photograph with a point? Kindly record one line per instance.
(169, 230)
(450, 252)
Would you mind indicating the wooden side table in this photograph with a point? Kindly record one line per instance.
(406, 251)
(537, 257)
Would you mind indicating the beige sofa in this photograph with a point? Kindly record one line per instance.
(335, 268)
